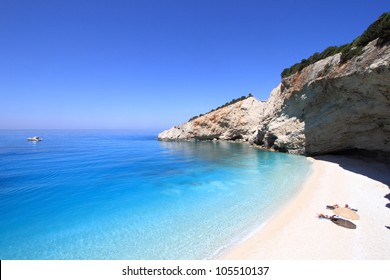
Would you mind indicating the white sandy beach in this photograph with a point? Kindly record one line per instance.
(295, 233)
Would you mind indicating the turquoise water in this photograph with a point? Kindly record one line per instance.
(125, 195)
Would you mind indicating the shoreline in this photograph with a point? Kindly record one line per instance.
(296, 233)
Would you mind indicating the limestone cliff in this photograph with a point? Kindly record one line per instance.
(330, 107)
(326, 107)
(239, 120)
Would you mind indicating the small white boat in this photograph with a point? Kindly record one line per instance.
(35, 139)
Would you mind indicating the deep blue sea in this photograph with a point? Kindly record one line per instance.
(89, 194)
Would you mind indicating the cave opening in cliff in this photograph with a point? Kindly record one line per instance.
(237, 137)
(271, 140)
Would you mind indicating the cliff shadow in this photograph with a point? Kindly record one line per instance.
(369, 167)
(387, 196)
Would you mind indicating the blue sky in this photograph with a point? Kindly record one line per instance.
(152, 64)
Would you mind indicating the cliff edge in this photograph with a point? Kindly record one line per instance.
(329, 107)
(239, 120)
(335, 101)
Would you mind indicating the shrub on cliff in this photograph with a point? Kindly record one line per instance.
(350, 52)
(329, 51)
(224, 105)
(379, 29)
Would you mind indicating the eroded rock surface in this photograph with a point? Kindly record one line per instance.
(326, 107)
(236, 121)
(329, 107)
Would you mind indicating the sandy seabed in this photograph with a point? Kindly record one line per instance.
(296, 233)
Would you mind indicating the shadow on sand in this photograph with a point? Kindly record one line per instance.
(388, 197)
(370, 167)
(344, 223)
(367, 166)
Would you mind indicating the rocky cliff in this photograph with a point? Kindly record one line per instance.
(239, 120)
(326, 107)
(330, 107)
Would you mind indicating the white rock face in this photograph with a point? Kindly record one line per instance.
(326, 107)
(329, 107)
(237, 121)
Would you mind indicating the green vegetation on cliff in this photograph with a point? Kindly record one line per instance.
(380, 30)
(224, 105)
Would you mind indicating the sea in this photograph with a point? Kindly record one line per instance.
(124, 195)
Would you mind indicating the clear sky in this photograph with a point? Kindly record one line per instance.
(155, 63)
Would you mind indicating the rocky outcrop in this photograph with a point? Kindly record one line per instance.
(328, 107)
(238, 121)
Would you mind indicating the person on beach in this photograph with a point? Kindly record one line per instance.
(337, 206)
(332, 218)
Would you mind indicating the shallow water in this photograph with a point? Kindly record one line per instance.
(125, 195)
